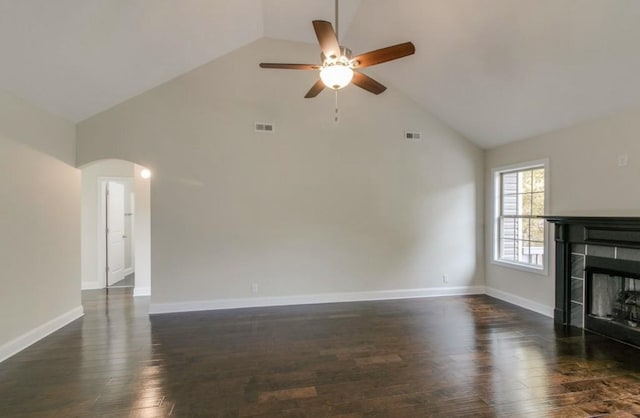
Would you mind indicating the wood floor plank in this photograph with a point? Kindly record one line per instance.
(285, 394)
(467, 356)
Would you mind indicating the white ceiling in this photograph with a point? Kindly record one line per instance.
(495, 70)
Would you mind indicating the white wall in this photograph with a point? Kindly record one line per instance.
(585, 179)
(311, 209)
(40, 224)
(92, 250)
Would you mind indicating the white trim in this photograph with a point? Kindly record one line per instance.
(25, 340)
(544, 162)
(18, 344)
(520, 301)
(521, 267)
(206, 305)
(141, 291)
(102, 182)
(128, 271)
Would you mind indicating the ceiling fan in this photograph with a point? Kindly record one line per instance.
(338, 68)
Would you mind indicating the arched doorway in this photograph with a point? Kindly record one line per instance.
(115, 232)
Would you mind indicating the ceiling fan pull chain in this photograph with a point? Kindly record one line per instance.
(335, 119)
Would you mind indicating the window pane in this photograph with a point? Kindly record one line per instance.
(525, 205)
(537, 230)
(526, 229)
(510, 205)
(521, 235)
(537, 253)
(538, 180)
(509, 183)
(524, 177)
(508, 228)
(508, 250)
(537, 203)
(523, 254)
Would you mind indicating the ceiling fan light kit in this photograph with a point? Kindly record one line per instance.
(337, 73)
(338, 69)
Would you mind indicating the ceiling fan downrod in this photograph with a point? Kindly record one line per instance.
(336, 6)
(336, 13)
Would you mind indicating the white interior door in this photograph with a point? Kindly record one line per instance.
(115, 232)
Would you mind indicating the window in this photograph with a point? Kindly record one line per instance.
(520, 236)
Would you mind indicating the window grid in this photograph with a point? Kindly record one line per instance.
(520, 233)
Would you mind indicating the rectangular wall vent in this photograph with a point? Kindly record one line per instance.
(412, 136)
(264, 127)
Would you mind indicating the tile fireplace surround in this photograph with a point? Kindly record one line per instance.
(588, 247)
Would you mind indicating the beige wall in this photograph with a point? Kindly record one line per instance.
(584, 179)
(40, 223)
(312, 208)
(142, 233)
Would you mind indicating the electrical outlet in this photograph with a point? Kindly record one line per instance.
(254, 288)
(445, 279)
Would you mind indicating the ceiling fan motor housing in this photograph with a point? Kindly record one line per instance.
(344, 52)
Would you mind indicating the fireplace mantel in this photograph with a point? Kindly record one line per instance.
(581, 219)
(576, 231)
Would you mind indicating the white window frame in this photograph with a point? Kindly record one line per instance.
(495, 177)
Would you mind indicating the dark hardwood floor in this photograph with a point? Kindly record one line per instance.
(443, 357)
(128, 281)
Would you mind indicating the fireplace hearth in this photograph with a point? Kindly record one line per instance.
(598, 275)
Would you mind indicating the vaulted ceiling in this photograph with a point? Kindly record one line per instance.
(495, 70)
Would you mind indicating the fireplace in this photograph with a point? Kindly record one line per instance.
(598, 275)
(612, 292)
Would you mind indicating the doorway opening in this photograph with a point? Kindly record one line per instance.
(117, 210)
(116, 227)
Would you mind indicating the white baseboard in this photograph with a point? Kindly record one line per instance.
(206, 305)
(141, 291)
(25, 340)
(520, 301)
(18, 344)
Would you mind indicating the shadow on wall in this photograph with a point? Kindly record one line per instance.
(115, 225)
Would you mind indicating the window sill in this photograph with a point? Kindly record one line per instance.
(521, 267)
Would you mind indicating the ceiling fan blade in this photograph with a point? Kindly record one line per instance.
(379, 56)
(367, 83)
(315, 90)
(327, 38)
(289, 66)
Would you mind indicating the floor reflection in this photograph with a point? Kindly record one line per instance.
(454, 356)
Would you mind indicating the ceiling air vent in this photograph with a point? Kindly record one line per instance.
(264, 127)
(412, 136)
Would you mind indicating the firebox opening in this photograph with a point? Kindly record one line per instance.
(615, 298)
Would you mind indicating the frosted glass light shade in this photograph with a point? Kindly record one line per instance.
(336, 76)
